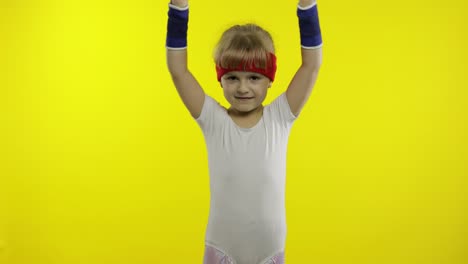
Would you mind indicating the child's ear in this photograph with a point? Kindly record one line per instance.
(270, 84)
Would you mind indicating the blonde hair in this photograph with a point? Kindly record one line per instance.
(247, 43)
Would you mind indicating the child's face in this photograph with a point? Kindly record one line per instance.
(245, 91)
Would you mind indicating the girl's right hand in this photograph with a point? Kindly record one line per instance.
(179, 3)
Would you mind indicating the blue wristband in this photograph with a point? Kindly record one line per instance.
(177, 26)
(309, 26)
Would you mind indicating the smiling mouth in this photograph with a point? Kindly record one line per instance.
(244, 98)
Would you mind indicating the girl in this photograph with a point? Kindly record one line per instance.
(246, 142)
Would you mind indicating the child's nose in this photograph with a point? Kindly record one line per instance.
(243, 85)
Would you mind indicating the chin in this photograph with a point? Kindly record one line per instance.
(246, 108)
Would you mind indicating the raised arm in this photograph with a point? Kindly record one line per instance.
(189, 89)
(301, 85)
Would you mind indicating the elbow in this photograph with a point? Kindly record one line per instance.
(313, 66)
(177, 71)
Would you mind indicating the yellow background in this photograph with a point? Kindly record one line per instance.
(101, 162)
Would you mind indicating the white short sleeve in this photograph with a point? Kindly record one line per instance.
(210, 112)
(281, 111)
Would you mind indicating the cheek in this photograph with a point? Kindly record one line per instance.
(228, 92)
(263, 87)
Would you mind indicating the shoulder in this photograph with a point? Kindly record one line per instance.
(211, 110)
(211, 102)
(280, 110)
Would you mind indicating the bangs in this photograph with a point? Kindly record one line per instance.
(243, 50)
(231, 59)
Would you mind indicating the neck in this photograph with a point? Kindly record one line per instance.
(255, 112)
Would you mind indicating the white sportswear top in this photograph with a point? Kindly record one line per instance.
(247, 169)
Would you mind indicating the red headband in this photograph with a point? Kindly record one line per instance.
(268, 72)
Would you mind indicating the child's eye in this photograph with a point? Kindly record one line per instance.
(231, 78)
(254, 77)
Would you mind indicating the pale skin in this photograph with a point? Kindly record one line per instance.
(245, 112)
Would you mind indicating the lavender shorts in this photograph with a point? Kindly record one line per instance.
(216, 256)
